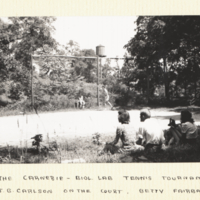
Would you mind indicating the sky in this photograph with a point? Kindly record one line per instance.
(113, 32)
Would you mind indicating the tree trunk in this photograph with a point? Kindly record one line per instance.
(147, 88)
(195, 89)
(166, 81)
(185, 86)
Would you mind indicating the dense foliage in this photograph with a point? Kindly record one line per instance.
(166, 52)
(57, 81)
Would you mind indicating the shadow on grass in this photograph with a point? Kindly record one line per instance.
(189, 108)
(15, 155)
(178, 154)
(183, 153)
(193, 109)
(175, 117)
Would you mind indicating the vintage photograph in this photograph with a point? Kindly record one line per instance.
(96, 89)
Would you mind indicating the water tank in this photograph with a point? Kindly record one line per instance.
(100, 51)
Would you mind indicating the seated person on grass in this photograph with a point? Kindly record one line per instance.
(150, 135)
(126, 134)
(186, 132)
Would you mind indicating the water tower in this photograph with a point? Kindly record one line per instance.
(100, 51)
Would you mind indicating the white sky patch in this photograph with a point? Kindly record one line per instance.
(89, 32)
(6, 20)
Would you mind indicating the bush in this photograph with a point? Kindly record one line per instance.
(61, 101)
(157, 101)
(162, 101)
(141, 99)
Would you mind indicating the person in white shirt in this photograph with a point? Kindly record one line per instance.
(81, 102)
(150, 134)
(106, 97)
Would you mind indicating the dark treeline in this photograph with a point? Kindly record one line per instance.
(166, 53)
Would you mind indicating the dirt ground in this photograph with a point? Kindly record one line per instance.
(16, 129)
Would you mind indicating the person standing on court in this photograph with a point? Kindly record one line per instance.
(81, 102)
(106, 96)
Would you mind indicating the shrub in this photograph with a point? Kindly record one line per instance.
(141, 99)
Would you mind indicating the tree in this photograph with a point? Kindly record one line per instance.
(20, 37)
(165, 38)
(85, 68)
(72, 48)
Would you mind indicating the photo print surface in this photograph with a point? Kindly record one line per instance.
(99, 89)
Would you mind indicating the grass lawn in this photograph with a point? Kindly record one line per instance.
(83, 149)
(79, 148)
